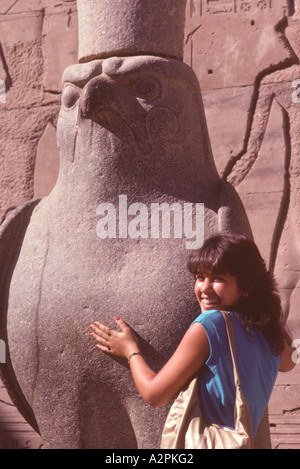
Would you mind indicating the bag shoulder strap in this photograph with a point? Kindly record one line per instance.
(230, 334)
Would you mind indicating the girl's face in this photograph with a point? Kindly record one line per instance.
(216, 291)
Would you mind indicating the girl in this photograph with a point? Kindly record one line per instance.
(229, 275)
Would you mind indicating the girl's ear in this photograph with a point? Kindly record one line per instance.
(246, 288)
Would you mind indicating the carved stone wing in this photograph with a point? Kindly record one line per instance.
(12, 232)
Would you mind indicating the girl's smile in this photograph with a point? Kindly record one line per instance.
(216, 291)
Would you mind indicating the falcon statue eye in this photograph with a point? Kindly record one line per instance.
(70, 96)
(148, 89)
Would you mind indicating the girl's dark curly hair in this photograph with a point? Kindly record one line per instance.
(240, 257)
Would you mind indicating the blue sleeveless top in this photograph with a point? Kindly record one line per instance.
(257, 368)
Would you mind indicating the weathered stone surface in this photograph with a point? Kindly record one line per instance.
(60, 42)
(18, 152)
(21, 42)
(228, 43)
(226, 138)
(130, 27)
(28, 42)
(47, 163)
(20, 6)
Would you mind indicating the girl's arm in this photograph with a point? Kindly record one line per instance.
(156, 388)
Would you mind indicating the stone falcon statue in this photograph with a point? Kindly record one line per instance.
(131, 123)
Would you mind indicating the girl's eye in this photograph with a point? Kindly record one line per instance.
(218, 279)
(199, 277)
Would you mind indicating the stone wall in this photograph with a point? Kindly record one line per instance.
(245, 55)
(38, 40)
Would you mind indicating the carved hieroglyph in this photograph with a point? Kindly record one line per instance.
(129, 126)
(31, 67)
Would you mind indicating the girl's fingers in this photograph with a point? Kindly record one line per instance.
(102, 334)
(101, 341)
(121, 323)
(101, 330)
(109, 340)
(103, 348)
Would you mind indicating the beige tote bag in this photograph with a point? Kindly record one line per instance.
(186, 429)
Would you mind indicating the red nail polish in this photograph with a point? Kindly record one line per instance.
(116, 318)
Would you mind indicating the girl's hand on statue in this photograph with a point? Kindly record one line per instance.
(116, 343)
